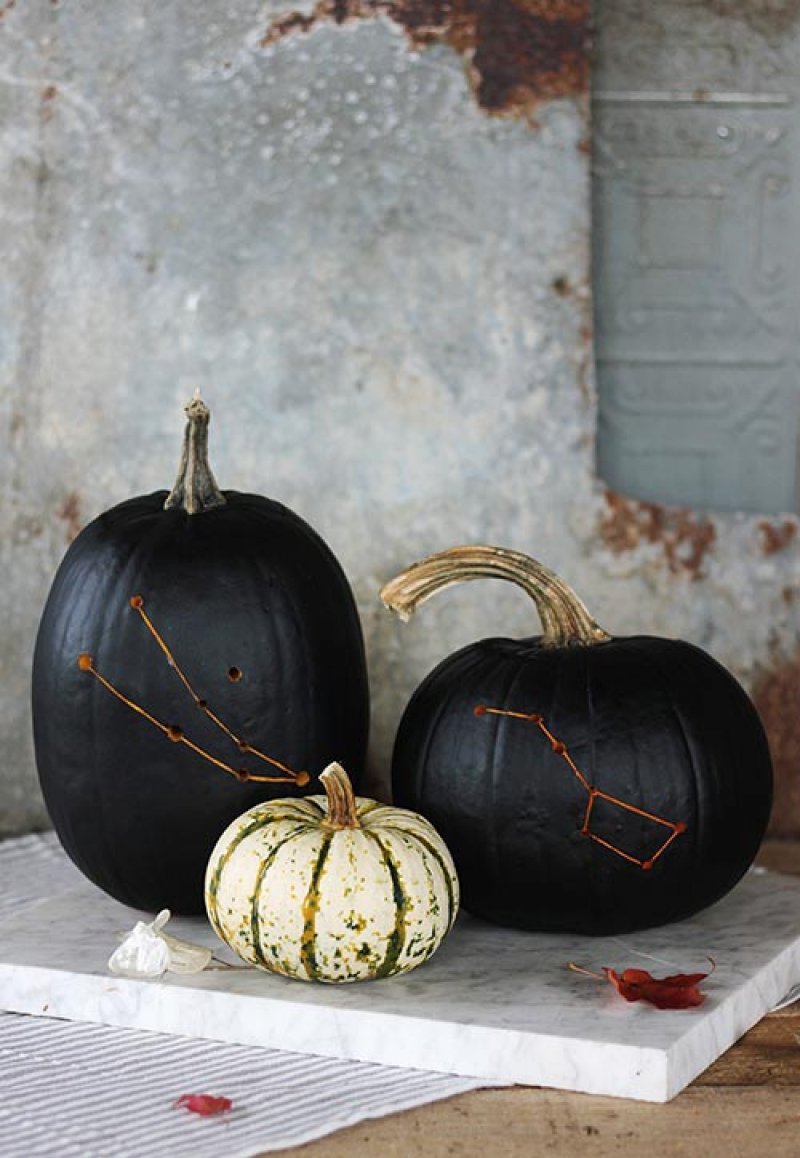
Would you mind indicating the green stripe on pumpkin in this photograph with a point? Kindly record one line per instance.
(212, 887)
(437, 856)
(397, 938)
(308, 955)
(261, 820)
(263, 869)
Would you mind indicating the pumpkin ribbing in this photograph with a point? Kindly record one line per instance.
(331, 902)
(583, 783)
(177, 653)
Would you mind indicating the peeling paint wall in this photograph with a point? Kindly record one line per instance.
(363, 229)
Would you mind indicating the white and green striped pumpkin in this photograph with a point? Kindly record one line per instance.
(331, 888)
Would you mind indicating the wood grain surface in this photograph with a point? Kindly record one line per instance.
(747, 1105)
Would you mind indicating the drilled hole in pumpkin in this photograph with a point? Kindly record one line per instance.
(234, 674)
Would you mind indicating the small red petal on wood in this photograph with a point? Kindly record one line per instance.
(205, 1104)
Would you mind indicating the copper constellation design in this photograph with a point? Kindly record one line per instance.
(175, 733)
(593, 793)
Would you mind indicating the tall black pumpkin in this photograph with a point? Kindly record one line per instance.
(199, 651)
(582, 783)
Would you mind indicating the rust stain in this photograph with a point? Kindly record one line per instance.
(70, 514)
(777, 536)
(685, 538)
(291, 23)
(47, 97)
(775, 694)
(519, 53)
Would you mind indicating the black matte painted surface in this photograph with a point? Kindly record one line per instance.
(655, 722)
(248, 586)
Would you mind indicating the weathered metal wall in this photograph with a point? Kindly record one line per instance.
(362, 228)
(697, 253)
(697, 237)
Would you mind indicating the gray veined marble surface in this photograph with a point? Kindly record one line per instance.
(493, 1004)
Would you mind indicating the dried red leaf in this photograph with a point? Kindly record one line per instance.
(679, 991)
(205, 1104)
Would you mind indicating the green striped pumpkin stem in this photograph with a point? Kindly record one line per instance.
(341, 800)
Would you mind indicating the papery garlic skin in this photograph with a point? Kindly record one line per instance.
(147, 952)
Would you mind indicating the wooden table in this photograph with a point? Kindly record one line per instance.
(747, 1105)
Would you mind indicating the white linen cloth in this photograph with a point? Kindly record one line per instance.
(90, 1091)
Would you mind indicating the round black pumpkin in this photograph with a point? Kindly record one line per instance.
(582, 783)
(200, 651)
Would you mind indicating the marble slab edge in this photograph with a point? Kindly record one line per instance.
(652, 1058)
(730, 1019)
(494, 1055)
(489, 1053)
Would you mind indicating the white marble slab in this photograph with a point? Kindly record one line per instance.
(493, 1004)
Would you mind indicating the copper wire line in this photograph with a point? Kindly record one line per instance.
(176, 734)
(137, 603)
(178, 737)
(613, 848)
(594, 793)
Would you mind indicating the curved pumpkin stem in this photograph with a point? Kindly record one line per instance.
(564, 617)
(342, 812)
(195, 487)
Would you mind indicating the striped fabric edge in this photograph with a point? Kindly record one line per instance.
(96, 1092)
(77, 1090)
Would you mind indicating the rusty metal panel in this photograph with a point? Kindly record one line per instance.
(363, 229)
(697, 252)
(361, 226)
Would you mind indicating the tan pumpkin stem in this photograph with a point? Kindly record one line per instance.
(195, 487)
(341, 799)
(564, 617)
